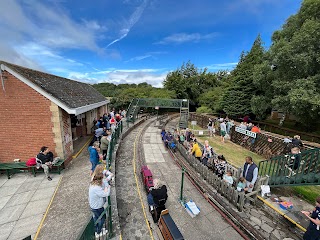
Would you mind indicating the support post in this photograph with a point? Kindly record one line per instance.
(182, 180)
(109, 217)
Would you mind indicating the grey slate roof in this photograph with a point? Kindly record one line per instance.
(72, 93)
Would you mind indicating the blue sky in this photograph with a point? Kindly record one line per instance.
(133, 41)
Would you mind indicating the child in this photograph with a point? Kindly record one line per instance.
(242, 185)
(228, 178)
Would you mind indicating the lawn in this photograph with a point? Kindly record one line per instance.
(236, 154)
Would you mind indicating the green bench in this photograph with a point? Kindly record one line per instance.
(16, 167)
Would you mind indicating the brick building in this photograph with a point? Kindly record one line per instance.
(38, 108)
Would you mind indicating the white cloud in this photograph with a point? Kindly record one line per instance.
(32, 33)
(179, 38)
(154, 77)
(134, 18)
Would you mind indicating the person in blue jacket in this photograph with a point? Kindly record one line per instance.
(94, 155)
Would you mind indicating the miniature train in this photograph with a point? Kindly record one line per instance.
(160, 214)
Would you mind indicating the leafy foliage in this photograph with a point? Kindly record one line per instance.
(122, 94)
(204, 110)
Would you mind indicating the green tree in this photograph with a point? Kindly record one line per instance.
(237, 98)
(296, 52)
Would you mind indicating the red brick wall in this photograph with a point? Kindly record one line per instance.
(25, 121)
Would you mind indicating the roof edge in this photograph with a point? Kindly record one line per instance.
(69, 110)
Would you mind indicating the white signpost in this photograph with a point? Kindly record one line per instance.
(193, 123)
(246, 132)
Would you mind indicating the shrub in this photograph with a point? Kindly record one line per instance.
(204, 110)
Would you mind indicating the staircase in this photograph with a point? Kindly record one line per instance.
(133, 110)
(184, 116)
(292, 170)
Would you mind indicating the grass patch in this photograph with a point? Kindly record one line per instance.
(235, 155)
(309, 193)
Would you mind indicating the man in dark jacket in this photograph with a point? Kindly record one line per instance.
(250, 173)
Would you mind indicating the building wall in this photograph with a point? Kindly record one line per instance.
(62, 131)
(25, 121)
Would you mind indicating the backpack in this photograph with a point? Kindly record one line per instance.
(31, 162)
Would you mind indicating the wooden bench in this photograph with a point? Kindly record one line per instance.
(16, 167)
(168, 228)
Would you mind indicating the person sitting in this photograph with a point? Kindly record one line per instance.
(296, 142)
(168, 139)
(45, 160)
(228, 177)
(242, 186)
(294, 161)
(163, 133)
(157, 195)
(220, 166)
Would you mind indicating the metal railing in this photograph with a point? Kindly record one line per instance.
(293, 169)
(89, 231)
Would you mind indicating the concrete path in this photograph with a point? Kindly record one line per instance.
(23, 202)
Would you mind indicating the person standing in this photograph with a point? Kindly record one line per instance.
(223, 130)
(313, 230)
(210, 127)
(94, 155)
(250, 173)
(104, 145)
(97, 195)
(195, 150)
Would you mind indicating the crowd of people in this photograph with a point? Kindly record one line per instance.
(217, 163)
(99, 188)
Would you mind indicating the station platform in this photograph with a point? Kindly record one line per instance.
(293, 214)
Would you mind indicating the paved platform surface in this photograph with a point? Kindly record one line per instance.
(208, 224)
(23, 202)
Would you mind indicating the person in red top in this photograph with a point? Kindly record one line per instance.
(255, 129)
(112, 122)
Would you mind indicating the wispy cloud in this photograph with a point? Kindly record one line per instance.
(222, 66)
(179, 38)
(139, 58)
(134, 18)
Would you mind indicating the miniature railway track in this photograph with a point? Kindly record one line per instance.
(243, 228)
(246, 230)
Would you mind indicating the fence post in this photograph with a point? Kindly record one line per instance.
(181, 190)
(109, 217)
